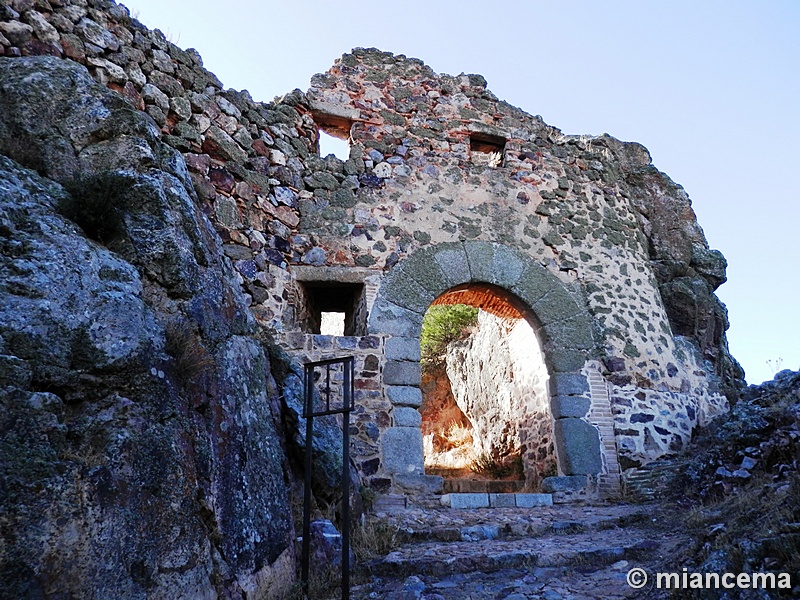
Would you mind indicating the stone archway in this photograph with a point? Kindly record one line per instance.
(562, 323)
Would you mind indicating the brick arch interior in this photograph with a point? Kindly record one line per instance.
(562, 323)
(490, 298)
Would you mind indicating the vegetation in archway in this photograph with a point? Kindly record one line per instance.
(443, 324)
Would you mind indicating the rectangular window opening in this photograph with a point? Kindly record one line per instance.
(334, 308)
(333, 135)
(486, 149)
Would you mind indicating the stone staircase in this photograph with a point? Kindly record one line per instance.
(492, 545)
(468, 556)
(644, 482)
(600, 415)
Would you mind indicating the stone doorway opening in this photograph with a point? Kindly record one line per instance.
(486, 421)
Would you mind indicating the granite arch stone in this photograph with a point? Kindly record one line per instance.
(407, 292)
(577, 447)
(389, 318)
(427, 273)
(452, 259)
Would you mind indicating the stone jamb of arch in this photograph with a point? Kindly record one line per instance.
(562, 323)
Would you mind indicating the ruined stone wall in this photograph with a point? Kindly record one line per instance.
(372, 409)
(619, 234)
(653, 423)
(244, 157)
(563, 200)
(575, 204)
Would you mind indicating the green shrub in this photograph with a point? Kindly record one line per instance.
(443, 324)
(498, 468)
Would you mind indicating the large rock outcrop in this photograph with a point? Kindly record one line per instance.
(687, 271)
(140, 453)
(499, 381)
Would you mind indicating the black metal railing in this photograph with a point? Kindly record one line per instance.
(334, 390)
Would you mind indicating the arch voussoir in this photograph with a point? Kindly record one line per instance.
(564, 360)
(534, 283)
(507, 266)
(480, 257)
(452, 260)
(556, 305)
(574, 334)
(426, 272)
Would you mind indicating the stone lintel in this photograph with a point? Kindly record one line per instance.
(331, 274)
(486, 129)
(336, 110)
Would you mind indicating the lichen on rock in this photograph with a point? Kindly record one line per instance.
(122, 476)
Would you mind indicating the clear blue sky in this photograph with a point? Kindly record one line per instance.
(711, 88)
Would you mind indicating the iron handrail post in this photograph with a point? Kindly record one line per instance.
(348, 406)
(348, 372)
(308, 410)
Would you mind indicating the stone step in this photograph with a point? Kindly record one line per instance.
(477, 486)
(496, 531)
(466, 557)
(472, 526)
(390, 503)
(489, 500)
(644, 481)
